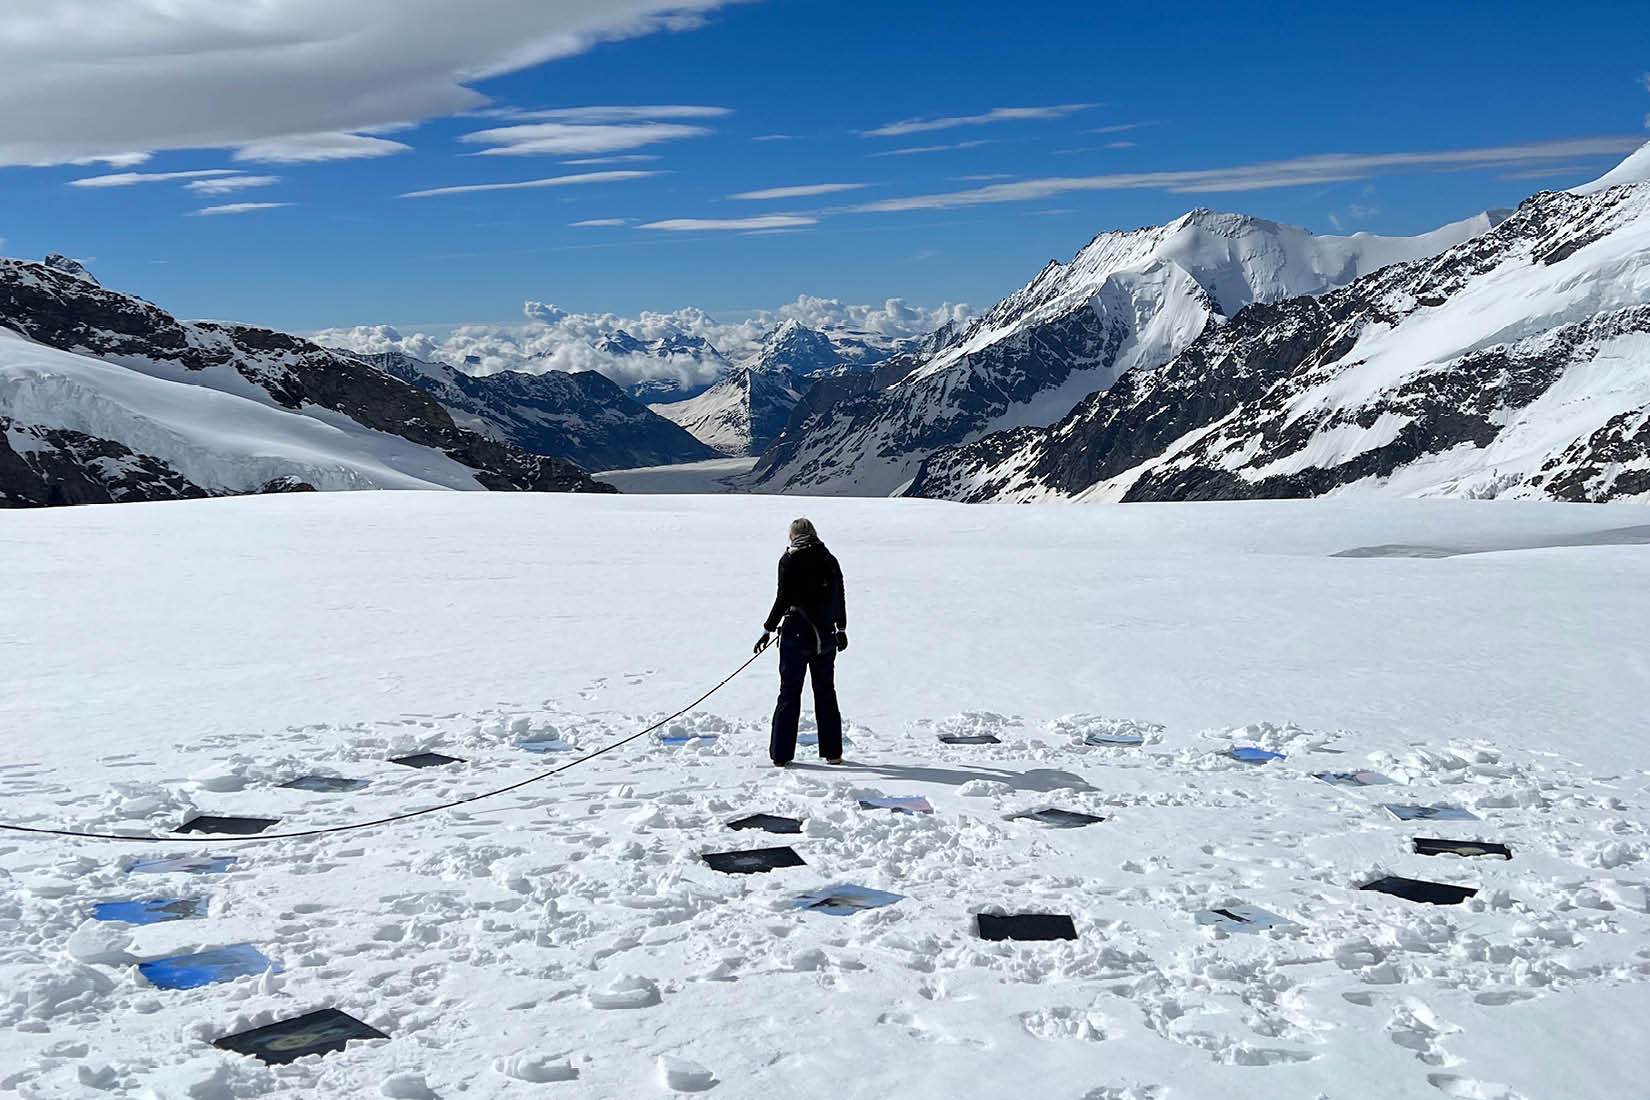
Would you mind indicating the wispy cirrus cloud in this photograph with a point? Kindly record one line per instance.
(526, 185)
(566, 138)
(622, 158)
(1296, 172)
(588, 115)
(774, 137)
(316, 148)
(930, 149)
(238, 208)
(223, 185)
(129, 179)
(595, 223)
(800, 191)
(764, 221)
(1118, 127)
(996, 114)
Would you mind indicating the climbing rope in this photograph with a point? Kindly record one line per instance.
(192, 839)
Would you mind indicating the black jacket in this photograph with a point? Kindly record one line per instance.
(811, 581)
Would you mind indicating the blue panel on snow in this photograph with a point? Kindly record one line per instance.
(323, 1032)
(676, 739)
(156, 911)
(194, 865)
(912, 805)
(550, 744)
(1250, 755)
(326, 784)
(1430, 813)
(221, 964)
(845, 900)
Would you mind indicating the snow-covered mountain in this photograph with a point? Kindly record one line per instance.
(1127, 300)
(742, 413)
(583, 417)
(1514, 364)
(106, 397)
(695, 351)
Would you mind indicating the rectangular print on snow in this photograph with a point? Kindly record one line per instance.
(1124, 739)
(547, 745)
(971, 739)
(1243, 918)
(231, 826)
(194, 865)
(1430, 813)
(914, 805)
(221, 964)
(1058, 819)
(156, 911)
(757, 861)
(1352, 779)
(1026, 926)
(323, 1032)
(1251, 755)
(326, 784)
(1429, 893)
(425, 760)
(1428, 847)
(676, 739)
(845, 900)
(768, 823)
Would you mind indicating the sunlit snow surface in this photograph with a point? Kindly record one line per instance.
(567, 940)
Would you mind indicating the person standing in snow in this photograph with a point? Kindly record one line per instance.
(811, 616)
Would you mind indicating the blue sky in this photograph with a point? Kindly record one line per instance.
(1039, 124)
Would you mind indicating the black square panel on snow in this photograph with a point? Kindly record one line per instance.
(755, 862)
(1411, 889)
(326, 784)
(234, 826)
(1425, 846)
(768, 823)
(1027, 926)
(970, 739)
(425, 760)
(320, 1032)
(1058, 819)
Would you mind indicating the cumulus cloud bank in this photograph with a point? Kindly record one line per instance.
(282, 80)
(553, 339)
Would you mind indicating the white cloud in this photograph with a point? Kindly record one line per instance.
(1119, 145)
(312, 148)
(102, 78)
(622, 114)
(596, 223)
(622, 158)
(563, 138)
(552, 181)
(1118, 128)
(239, 208)
(116, 160)
(801, 191)
(225, 184)
(765, 221)
(774, 137)
(929, 149)
(127, 179)
(984, 176)
(997, 114)
(557, 340)
(1322, 168)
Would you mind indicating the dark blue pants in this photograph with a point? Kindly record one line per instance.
(800, 656)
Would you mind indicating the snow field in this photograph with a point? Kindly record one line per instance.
(566, 940)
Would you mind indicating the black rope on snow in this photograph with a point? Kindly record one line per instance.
(398, 817)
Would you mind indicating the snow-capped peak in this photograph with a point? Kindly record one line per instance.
(1635, 169)
(59, 262)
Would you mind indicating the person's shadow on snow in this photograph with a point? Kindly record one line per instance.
(1037, 779)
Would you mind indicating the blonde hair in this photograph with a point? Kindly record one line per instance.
(802, 529)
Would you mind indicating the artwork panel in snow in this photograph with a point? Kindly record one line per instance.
(1026, 926)
(1429, 813)
(230, 826)
(846, 899)
(323, 1032)
(326, 784)
(221, 964)
(1411, 889)
(155, 911)
(1426, 846)
(1352, 779)
(426, 760)
(678, 739)
(970, 739)
(768, 823)
(911, 805)
(1244, 918)
(1058, 819)
(757, 861)
(193, 865)
(552, 744)
(1251, 755)
(1115, 739)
